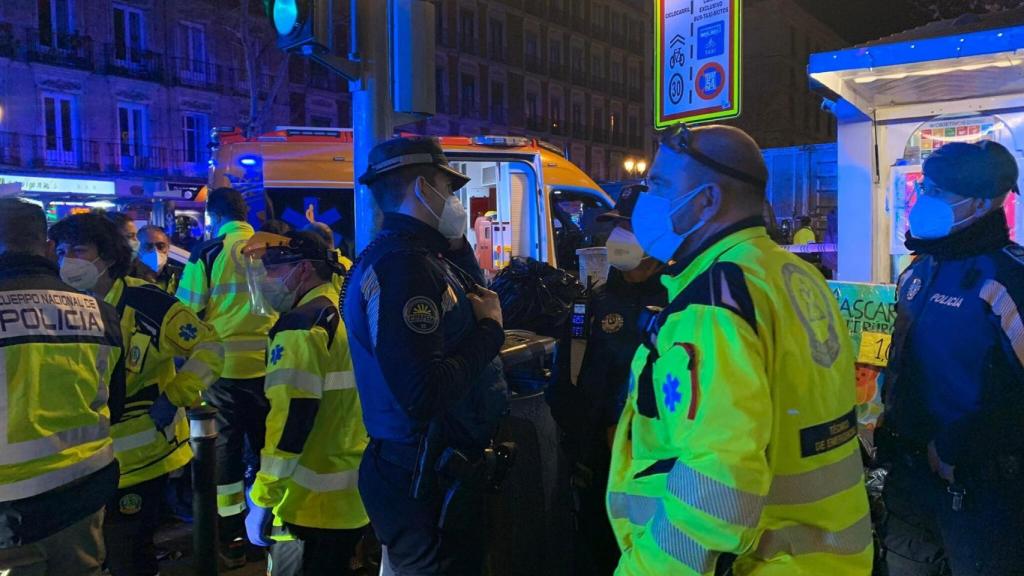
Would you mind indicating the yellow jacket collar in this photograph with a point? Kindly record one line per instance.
(116, 292)
(678, 277)
(326, 290)
(234, 226)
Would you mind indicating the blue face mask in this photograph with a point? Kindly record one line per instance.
(931, 218)
(652, 224)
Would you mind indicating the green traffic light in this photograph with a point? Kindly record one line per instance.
(286, 15)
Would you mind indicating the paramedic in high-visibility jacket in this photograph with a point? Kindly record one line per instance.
(214, 285)
(62, 385)
(309, 469)
(737, 446)
(151, 441)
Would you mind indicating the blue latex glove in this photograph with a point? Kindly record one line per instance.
(162, 412)
(258, 523)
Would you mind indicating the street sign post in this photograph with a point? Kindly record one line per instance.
(697, 55)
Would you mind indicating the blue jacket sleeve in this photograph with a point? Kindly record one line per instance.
(406, 325)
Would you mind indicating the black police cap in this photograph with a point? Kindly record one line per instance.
(410, 151)
(983, 170)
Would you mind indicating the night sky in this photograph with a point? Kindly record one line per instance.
(859, 21)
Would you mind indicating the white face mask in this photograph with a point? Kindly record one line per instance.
(154, 260)
(80, 274)
(451, 223)
(624, 251)
(277, 293)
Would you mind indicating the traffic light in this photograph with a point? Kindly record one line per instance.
(303, 25)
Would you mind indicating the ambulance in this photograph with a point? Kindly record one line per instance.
(524, 197)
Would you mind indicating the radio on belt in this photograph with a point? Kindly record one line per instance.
(579, 319)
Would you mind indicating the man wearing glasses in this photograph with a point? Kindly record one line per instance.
(954, 392)
(737, 445)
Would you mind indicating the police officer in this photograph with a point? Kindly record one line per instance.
(955, 385)
(214, 284)
(63, 384)
(425, 336)
(152, 440)
(614, 311)
(153, 264)
(738, 439)
(315, 434)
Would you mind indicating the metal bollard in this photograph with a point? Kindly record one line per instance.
(203, 438)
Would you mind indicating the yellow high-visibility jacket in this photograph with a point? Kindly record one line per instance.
(60, 354)
(739, 432)
(309, 466)
(214, 285)
(157, 328)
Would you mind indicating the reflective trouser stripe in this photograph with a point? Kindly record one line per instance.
(801, 539)
(230, 499)
(57, 478)
(704, 493)
(817, 484)
(673, 541)
(310, 480)
(340, 381)
(278, 467)
(300, 379)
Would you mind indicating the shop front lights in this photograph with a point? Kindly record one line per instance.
(248, 161)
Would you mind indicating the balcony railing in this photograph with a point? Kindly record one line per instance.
(53, 151)
(635, 141)
(616, 88)
(197, 74)
(446, 39)
(133, 63)
(579, 76)
(599, 135)
(617, 37)
(559, 128)
(599, 83)
(599, 31)
(70, 50)
(131, 157)
(635, 93)
(469, 110)
(579, 130)
(535, 7)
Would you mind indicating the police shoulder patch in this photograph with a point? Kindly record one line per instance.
(130, 504)
(1016, 252)
(612, 323)
(421, 315)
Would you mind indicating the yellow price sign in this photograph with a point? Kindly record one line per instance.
(874, 348)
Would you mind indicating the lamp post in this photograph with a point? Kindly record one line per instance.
(635, 167)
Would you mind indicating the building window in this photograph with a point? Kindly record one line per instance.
(56, 23)
(193, 48)
(496, 39)
(132, 126)
(634, 77)
(617, 72)
(634, 134)
(597, 69)
(556, 53)
(59, 120)
(467, 100)
(577, 60)
(498, 102)
(531, 46)
(556, 111)
(531, 105)
(467, 28)
(577, 115)
(129, 37)
(439, 91)
(194, 132)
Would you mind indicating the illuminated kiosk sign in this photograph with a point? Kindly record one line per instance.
(697, 50)
(45, 185)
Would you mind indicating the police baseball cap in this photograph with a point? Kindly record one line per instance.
(983, 170)
(625, 204)
(410, 151)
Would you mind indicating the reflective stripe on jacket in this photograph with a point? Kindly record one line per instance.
(739, 433)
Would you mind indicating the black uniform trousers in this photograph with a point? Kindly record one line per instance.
(923, 535)
(129, 526)
(242, 410)
(314, 552)
(417, 542)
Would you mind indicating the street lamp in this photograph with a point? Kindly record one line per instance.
(634, 166)
(629, 164)
(641, 167)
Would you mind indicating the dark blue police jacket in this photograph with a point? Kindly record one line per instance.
(420, 356)
(956, 373)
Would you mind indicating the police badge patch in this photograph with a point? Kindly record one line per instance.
(421, 315)
(915, 287)
(130, 504)
(612, 323)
